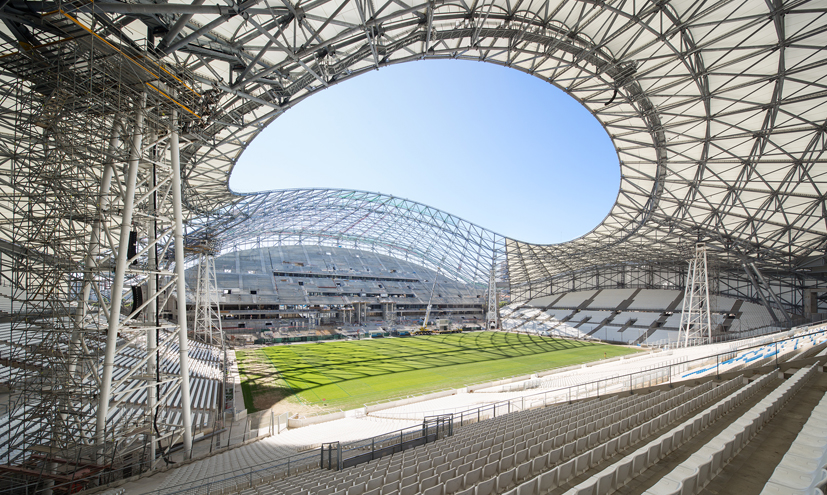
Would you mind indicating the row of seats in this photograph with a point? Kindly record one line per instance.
(645, 300)
(261, 457)
(254, 454)
(761, 356)
(616, 476)
(500, 430)
(697, 471)
(512, 451)
(576, 461)
(802, 469)
(253, 269)
(619, 474)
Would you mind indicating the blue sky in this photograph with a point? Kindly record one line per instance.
(492, 145)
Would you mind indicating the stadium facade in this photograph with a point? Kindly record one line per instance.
(287, 290)
(122, 122)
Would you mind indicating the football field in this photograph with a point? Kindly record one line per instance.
(350, 374)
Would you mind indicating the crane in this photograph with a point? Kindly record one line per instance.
(423, 330)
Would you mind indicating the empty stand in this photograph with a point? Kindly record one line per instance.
(587, 447)
(636, 316)
(499, 454)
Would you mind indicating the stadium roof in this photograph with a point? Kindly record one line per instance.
(716, 109)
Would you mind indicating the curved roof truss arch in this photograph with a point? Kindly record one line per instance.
(716, 110)
(363, 220)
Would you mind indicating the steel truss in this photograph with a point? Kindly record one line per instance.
(206, 322)
(362, 220)
(715, 110)
(718, 134)
(731, 157)
(492, 319)
(696, 321)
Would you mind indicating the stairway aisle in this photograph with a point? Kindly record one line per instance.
(653, 474)
(752, 467)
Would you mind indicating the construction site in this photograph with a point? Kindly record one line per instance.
(127, 263)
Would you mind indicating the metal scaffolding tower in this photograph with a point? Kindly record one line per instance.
(95, 251)
(206, 324)
(492, 319)
(696, 323)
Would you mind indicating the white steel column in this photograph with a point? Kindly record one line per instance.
(103, 206)
(199, 329)
(90, 263)
(772, 294)
(181, 287)
(120, 271)
(152, 319)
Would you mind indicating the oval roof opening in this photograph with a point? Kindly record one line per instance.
(489, 144)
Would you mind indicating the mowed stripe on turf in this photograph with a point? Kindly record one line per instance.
(348, 374)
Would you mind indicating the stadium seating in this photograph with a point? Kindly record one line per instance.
(802, 469)
(533, 452)
(631, 315)
(694, 473)
(331, 276)
(539, 448)
(620, 473)
(574, 299)
(653, 299)
(610, 299)
(205, 376)
(294, 442)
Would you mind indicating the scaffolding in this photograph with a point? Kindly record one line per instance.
(206, 323)
(95, 249)
(492, 317)
(696, 322)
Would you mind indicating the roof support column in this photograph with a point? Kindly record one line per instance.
(93, 247)
(181, 287)
(152, 327)
(772, 294)
(116, 292)
(760, 294)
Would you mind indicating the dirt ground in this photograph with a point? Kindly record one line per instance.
(269, 390)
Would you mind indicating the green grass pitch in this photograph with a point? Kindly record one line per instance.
(349, 374)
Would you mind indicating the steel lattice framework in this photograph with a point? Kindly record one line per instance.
(717, 110)
(364, 220)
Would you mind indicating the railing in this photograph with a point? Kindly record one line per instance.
(246, 477)
(620, 383)
(346, 455)
(336, 456)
